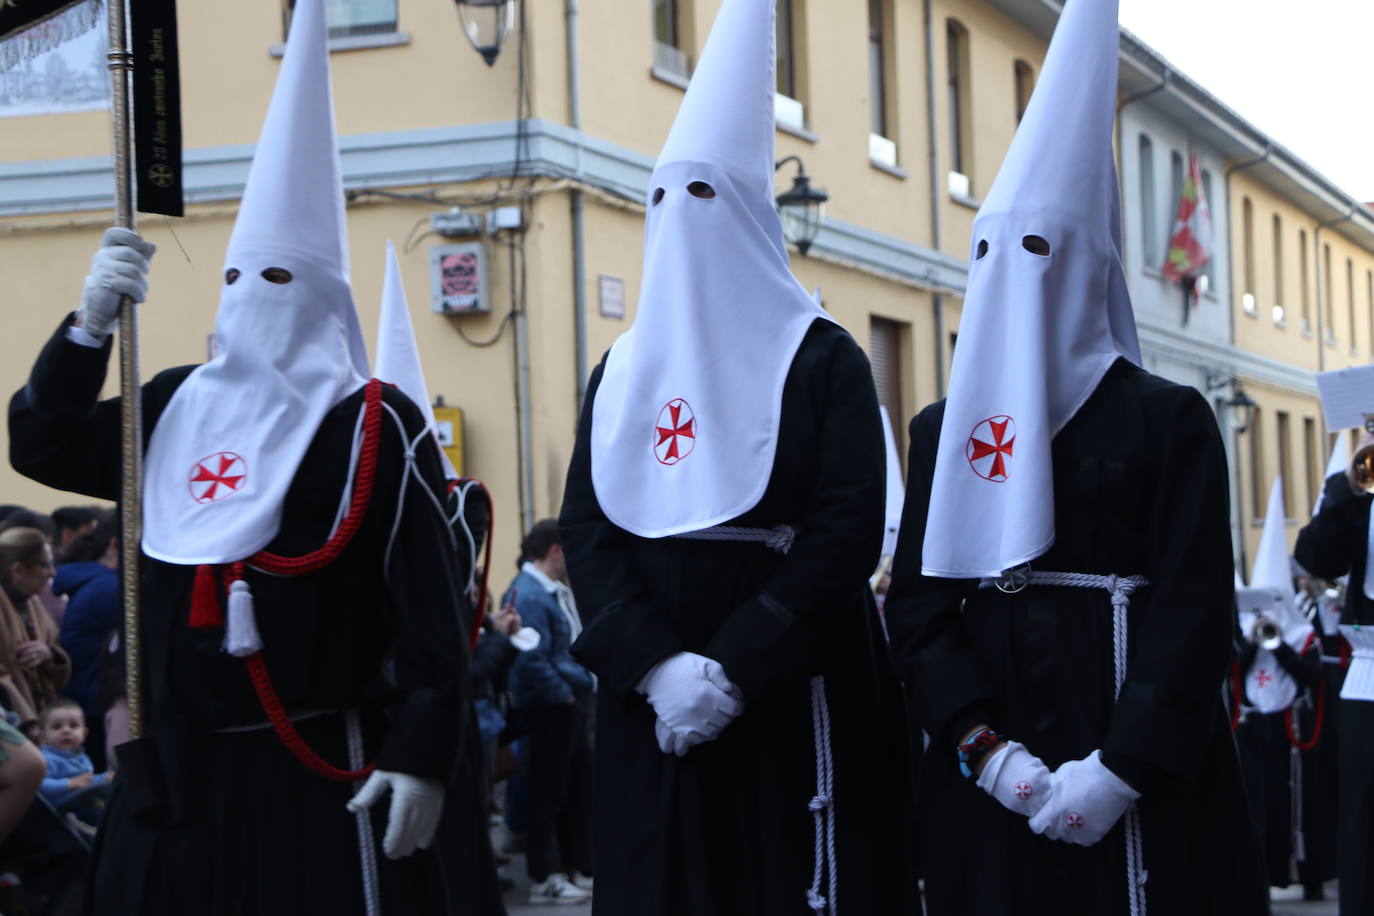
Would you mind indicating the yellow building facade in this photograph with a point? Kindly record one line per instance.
(900, 109)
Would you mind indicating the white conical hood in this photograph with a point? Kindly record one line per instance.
(1338, 463)
(1271, 594)
(685, 421)
(1038, 331)
(1271, 568)
(398, 357)
(229, 443)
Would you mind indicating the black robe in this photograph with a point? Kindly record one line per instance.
(1139, 489)
(1272, 764)
(1334, 544)
(726, 829)
(214, 823)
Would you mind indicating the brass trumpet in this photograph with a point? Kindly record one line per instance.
(1362, 465)
(1268, 634)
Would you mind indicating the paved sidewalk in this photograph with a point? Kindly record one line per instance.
(1289, 902)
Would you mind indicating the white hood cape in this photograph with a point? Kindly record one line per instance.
(1046, 311)
(685, 421)
(229, 443)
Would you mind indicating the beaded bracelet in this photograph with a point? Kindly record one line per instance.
(971, 751)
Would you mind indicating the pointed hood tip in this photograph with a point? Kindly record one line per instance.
(718, 123)
(278, 210)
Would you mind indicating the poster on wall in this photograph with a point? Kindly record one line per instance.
(71, 77)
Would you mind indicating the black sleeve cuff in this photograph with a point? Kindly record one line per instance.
(423, 737)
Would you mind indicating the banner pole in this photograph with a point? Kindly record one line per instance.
(121, 62)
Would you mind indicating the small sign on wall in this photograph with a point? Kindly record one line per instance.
(448, 429)
(612, 296)
(458, 279)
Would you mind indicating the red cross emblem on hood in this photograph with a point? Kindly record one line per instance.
(990, 446)
(217, 476)
(675, 433)
(1262, 678)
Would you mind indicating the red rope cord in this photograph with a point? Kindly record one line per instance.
(1288, 723)
(479, 613)
(357, 509)
(310, 562)
(1316, 725)
(286, 729)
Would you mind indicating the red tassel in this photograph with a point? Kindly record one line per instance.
(205, 606)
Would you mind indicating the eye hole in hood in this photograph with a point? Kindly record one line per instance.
(1036, 245)
(278, 275)
(230, 276)
(702, 190)
(658, 196)
(982, 250)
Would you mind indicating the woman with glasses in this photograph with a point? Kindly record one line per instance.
(33, 667)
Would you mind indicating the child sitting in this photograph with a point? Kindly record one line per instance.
(63, 729)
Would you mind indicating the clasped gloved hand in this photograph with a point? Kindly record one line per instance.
(1016, 778)
(693, 698)
(118, 269)
(1086, 800)
(416, 804)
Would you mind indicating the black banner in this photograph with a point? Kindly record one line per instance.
(31, 27)
(157, 106)
(17, 15)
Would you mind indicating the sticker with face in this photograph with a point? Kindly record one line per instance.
(459, 274)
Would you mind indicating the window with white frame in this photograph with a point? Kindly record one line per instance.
(788, 107)
(348, 18)
(670, 42)
(1149, 227)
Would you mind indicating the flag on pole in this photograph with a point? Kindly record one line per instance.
(1190, 244)
(31, 27)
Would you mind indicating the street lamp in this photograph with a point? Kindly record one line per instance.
(801, 208)
(1242, 409)
(486, 24)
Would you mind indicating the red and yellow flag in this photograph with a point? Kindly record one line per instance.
(1190, 244)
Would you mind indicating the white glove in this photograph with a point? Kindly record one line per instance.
(416, 804)
(118, 269)
(1016, 778)
(1086, 800)
(693, 698)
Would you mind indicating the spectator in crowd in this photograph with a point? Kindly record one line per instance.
(548, 691)
(21, 776)
(70, 523)
(19, 517)
(33, 667)
(70, 771)
(89, 580)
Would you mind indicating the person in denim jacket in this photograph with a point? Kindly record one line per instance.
(548, 689)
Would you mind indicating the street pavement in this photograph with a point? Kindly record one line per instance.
(1285, 902)
(1289, 902)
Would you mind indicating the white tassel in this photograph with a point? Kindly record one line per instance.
(241, 632)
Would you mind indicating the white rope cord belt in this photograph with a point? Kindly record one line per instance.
(822, 804)
(1121, 588)
(367, 847)
(779, 538)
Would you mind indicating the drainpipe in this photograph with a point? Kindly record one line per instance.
(1121, 149)
(937, 297)
(1237, 500)
(1321, 304)
(578, 205)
